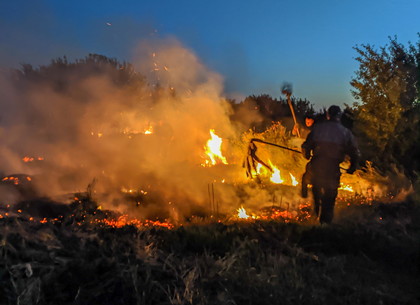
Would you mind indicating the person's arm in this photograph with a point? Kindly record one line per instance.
(308, 146)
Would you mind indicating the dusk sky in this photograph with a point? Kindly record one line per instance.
(254, 45)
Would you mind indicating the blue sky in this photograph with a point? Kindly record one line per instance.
(255, 45)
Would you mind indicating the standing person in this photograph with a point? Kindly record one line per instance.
(306, 178)
(326, 146)
(309, 124)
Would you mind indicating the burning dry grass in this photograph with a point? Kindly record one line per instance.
(225, 187)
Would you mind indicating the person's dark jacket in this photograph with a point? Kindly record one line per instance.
(331, 142)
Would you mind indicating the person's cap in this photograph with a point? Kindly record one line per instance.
(334, 111)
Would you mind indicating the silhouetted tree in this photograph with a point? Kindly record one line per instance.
(386, 86)
(66, 77)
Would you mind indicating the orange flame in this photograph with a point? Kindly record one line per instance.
(294, 181)
(149, 130)
(345, 187)
(242, 213)
(276, 176)
(213, 150)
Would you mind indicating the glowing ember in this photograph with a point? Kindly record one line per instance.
(213, 150)
(16, 180)
(294, 181)
(96, 134)
(27, 159)
(132, 191)
(242, 213)
(125, 221)
(131, 132)
(127, 191)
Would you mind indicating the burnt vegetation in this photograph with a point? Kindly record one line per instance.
(55, 253)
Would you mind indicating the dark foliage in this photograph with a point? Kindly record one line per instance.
(62, 74)
(388, 112)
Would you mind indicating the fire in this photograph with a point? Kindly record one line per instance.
(345, 187)
(259, 169)
(275, 176)
(131, 132)
(124, 220)
(213, 150)
(242, 213)
(149, 130)
(294, 181)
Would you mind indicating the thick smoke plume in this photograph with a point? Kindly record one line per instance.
(136, 135)
(92, 129)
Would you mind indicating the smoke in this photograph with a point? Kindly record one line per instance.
(89, 128)
(141, 145)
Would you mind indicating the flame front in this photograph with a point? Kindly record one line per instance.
(213, 150)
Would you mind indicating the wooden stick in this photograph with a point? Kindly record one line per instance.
(289, 101)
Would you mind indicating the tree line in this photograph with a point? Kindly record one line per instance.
(385, 116)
